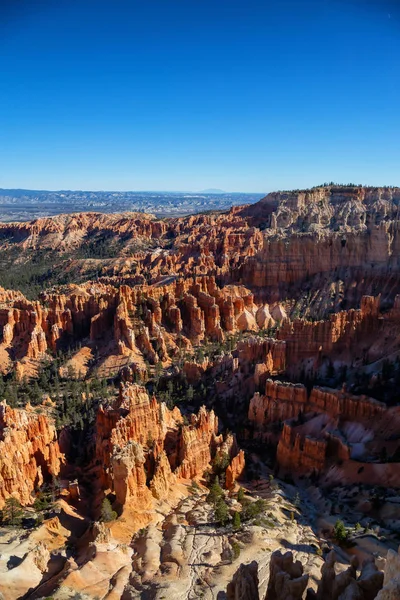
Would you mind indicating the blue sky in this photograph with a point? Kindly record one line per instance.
(191, 94)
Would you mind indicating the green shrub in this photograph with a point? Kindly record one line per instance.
(216, 492)
(236, 523)
(222, 512)
(194, 487)
(235, 549)
(221, 462)
(340, 532)
(107, 513)
(12, 513)
(253, 509)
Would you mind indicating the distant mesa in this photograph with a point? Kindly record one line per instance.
(212, 191)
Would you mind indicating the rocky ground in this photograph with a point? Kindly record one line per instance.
(181, 553)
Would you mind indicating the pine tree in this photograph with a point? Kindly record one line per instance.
(215, 493)
(222, 512)
(236, 520)
(12, 512)
(107, 513)
(340, 532)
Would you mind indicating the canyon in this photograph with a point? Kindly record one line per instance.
(183, 395)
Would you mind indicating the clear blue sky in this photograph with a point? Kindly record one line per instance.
(189, 94)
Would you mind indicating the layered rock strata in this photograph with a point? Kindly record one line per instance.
(143, 448)
(29, 452)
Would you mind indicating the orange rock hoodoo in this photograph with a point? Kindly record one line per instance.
(287, 287)
(283, 401)
(29, 452)
(142, 321)
(143, 447)
(311, 437)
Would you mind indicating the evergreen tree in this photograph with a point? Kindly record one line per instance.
(107, 513)
(215, 493)
(340, 532)
(221, 463)
(222, 512)
(240, 495)
(236, 520)
(170, 387)
(12, 512)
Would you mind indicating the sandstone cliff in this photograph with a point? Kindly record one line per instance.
(143, 448)
(29, 452)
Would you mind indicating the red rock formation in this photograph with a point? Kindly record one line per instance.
(163, 477)
(198, 443)
(300, 454)
(235, 470)
(305, 339)
(285, 238)
(281, 401)
(310, 437)
(137, 420)
(142, 448)
(143, 321)
(268, 351)
(127, 465)
(29, 452)
(339, 403)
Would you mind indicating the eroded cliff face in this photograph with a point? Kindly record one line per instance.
(283, 400)
(391, 581)
(29, 452)
(348, 583)
(143, 448)
(322, 230)
(302, 285)
(134, 325)
(187, 276)
(327, 428)
(145, 323)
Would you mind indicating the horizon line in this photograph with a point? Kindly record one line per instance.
(219, 193)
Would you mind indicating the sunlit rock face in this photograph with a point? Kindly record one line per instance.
(144, 448)
(294, 287)
(29, 452)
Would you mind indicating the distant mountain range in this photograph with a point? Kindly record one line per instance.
(25, 205)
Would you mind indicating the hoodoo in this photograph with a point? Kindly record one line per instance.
(208, 403)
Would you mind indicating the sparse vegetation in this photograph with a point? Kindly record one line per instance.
(236, 522)
(12, 513)
(107, 512)
(252, 510)
(235, 549)
(221, 511)
(216, 492)
(240, 495)
(340, 532)
(194, 487)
